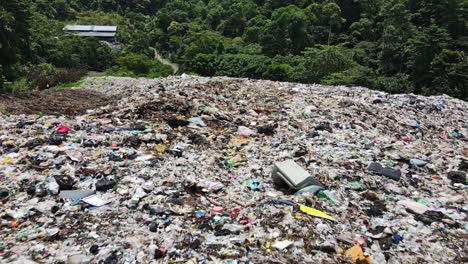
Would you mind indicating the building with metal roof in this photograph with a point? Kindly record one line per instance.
(104, 33)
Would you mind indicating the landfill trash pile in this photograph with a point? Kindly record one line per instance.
(223, 170)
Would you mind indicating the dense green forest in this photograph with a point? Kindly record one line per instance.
(392, 45)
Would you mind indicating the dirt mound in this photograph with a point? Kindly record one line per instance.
(53, 102)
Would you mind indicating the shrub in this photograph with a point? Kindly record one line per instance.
(278, 72)
(41, 75)
(77, 52)
(398, 83)
(322, 61)
(18, 86)
(44, 76)
(2, 81)
(356, 76)
(242, 65)
(69, 76)
(137, 65)
(160, 70)
(204, 64)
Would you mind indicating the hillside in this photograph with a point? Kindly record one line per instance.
(397, 46)
(181, 168)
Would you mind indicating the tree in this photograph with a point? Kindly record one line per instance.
(203, 42)
(398, 83)
(14, 35)
(77, 52)
(396, 30)
(278, 72)
(242, 65)
(361, 30)
(287, 31)
(450, 69)
(393, 45)
(326, 22)
(421, 50)
(447, 14)
(325, 60)
(139, 64)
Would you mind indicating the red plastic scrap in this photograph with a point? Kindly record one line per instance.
(203, 219)
(406, 139)
(245, 221)
(62, 129)
(234, 212)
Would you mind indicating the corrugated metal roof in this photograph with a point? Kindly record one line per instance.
(77, 28)
(105, 28)
(96, 34)
(90, 28)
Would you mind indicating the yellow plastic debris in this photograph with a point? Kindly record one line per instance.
(315, 212)
(238, 141)
(357, 255)
(160, 148)
(7, 160)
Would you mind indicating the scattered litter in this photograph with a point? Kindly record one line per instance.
(357, 255)
(388, 172)
(417, 162)
(281, 245)
(76, 195)
(414, 206)
(197, 121)
(293, 175)
(62, 129)
(254, 185)
(223, 170)
(315, 212)
(95, 201)
(309, 189)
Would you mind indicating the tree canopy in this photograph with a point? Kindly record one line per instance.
(394, 45)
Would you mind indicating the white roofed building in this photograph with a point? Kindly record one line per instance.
(104, 33)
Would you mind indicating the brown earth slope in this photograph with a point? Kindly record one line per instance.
(53, 102)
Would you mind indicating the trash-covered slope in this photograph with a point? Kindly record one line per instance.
(179, 170)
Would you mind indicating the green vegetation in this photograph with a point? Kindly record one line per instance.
(394, 45)
(137, 65)
(68, 85)
(18, 86)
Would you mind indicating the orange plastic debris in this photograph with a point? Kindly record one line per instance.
(357, 254)
(15, 223)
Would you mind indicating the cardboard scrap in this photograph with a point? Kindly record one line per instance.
(357, 254)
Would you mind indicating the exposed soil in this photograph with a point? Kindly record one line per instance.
(53, 102)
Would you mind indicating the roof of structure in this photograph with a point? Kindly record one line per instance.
(92, 28)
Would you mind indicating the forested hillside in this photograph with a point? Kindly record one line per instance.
(393, 45)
